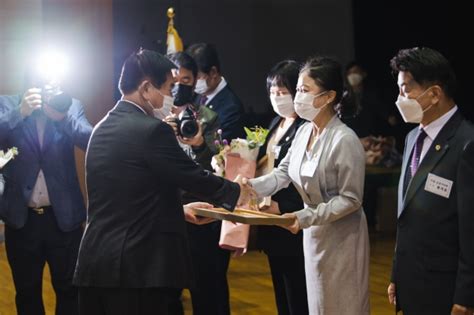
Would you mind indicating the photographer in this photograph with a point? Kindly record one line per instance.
(206, 254)
(195, 126)
(42, 204)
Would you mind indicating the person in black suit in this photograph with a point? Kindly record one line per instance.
(212, 293)
(134, 252)
(215, 92)
(284, 249)
(206, 254)
(433, 266)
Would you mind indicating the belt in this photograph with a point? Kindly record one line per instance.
(40, 210)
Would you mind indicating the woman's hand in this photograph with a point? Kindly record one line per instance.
(293, 227)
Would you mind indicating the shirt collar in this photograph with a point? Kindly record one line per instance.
(134, 104)
(219, 88)
(433, 128)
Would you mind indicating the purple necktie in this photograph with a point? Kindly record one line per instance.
(203, 100)
(415, 158)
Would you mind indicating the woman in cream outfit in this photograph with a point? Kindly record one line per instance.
(326, 163)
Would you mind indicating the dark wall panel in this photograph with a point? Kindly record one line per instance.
(251, 36)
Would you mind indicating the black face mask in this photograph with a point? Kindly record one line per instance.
(183, 94)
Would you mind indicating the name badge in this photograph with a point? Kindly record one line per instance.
(438, 185)
(276, 151)
(309, 168)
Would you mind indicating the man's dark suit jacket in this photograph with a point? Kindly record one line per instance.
(230, 112)
(434, 256)
(274, 240)
(135, 235)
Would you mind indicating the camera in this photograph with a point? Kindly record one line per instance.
(54, 97)
(47, 74)
(188, 126)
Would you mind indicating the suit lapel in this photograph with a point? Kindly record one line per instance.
(438, 149)
(49, 134)
(406, 157)
(297, 153)
(290, 133)
(263, 149)
(31, 134)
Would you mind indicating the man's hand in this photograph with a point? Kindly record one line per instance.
(461, 310)
(195, 141)
(295, 226)
(391, 291)
(53, 114)
(171, 120)
(31, 101)
(194, 219)
(247, 193)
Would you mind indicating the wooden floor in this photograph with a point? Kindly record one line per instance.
(249, 279)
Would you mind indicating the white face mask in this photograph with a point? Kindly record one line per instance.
(201, 86)
(304, 105)
(158, 114)
(168, 102)
(355, 79)
(283, 105)
(410, 108)
(165, 110)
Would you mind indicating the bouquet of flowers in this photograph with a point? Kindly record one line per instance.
(238, 157)
(6, 157)
(227, 160)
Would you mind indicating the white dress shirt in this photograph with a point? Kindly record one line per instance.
(40, 197)
(219, 88)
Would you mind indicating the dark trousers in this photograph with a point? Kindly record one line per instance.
(120, 301)
(28, 249)
(210, 296)
(289, 284)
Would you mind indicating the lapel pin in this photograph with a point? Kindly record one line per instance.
(438, 147)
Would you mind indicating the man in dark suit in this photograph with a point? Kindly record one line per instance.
(135, 253)
(42, 205)
(203, 239)
(214, 91)
(433, 267)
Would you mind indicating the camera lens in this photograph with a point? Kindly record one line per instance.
(188, 127)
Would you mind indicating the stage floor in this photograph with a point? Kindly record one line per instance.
(249, 280)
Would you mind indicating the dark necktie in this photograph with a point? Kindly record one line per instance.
(203, 100)
(415, 159)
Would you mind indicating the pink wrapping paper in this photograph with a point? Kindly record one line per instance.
(235, 236)
(235, 165)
